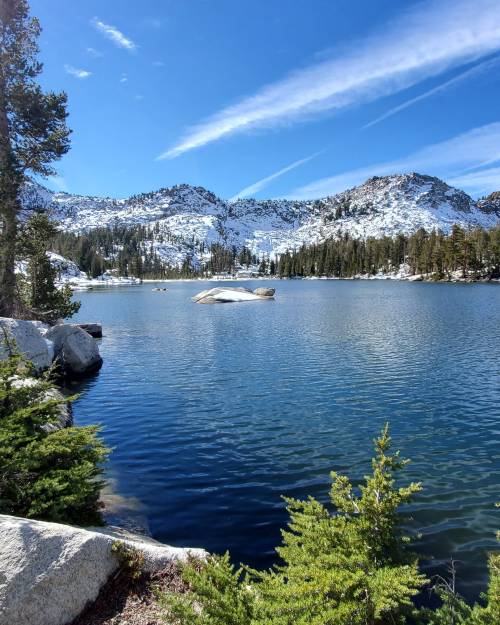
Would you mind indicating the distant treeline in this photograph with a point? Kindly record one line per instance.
(474, 253)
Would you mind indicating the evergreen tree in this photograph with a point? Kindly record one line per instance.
(45, 301)
(44, 474)
(33, 131)
(351, 567)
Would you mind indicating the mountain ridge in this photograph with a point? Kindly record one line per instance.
(186, 220)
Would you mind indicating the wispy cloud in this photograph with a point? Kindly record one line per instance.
(158, 64)
(472, 72)
(114, 35)
(449, 159)
(425, 41)
(479, 182)
(152, 22)
(124, 78)
(96, 54)
(260, 184)
(77, 73)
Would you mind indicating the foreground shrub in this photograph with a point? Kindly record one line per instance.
(349, 567)
(52, 476)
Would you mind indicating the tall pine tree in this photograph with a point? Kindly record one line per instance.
(33, 132)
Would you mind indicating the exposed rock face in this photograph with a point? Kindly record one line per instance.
(29, 341)
(265, 291)
(49, 571)
(223, 295)
(76, 350)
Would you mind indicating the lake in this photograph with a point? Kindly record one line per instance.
(214, 412)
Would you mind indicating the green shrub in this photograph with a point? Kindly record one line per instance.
(53, 476)
(351, 566)
(131, 560)
(348, 567)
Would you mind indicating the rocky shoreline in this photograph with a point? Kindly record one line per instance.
(69, 347)
(52, 573)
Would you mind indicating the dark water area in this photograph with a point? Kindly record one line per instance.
(214, 412)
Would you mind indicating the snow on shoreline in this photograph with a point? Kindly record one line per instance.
(68, 273)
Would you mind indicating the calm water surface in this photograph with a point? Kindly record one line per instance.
(216, 411)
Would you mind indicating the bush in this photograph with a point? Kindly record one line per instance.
(52, 476)
(131, 560)
(349, 567)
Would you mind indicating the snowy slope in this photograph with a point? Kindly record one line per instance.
(68, 272)
(183, 217)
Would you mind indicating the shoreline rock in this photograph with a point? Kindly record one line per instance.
(71, 346)
(28, 340)
(94, 329)
(75, 350)
(51, 571)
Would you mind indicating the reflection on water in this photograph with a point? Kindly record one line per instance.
(215, 411)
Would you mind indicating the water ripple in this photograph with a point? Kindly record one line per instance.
(214, 412)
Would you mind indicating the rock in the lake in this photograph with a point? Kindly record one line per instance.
(28, 339)
(74, 348)
(49, 572)
(94, 329)
(265, 291)
(223, 295)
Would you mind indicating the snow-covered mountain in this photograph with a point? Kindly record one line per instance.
(181, 217)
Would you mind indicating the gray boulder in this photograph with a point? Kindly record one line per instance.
(265, 291)
(76, 351)
(94, 329)
(29, 341)
(49, 572)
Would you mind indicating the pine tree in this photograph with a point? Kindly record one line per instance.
(351, 567)
(33, 132)
(44, 301)
(44, 474)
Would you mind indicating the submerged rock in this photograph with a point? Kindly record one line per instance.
(76, 351)
(223, 295)
(50, 571)
(28, 340)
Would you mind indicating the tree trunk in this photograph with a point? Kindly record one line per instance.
(10, 183)
(9, 301)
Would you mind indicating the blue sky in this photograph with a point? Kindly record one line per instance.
(274, 98)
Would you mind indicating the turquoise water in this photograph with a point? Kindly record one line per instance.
(216, 411)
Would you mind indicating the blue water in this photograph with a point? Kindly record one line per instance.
(216, 411)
